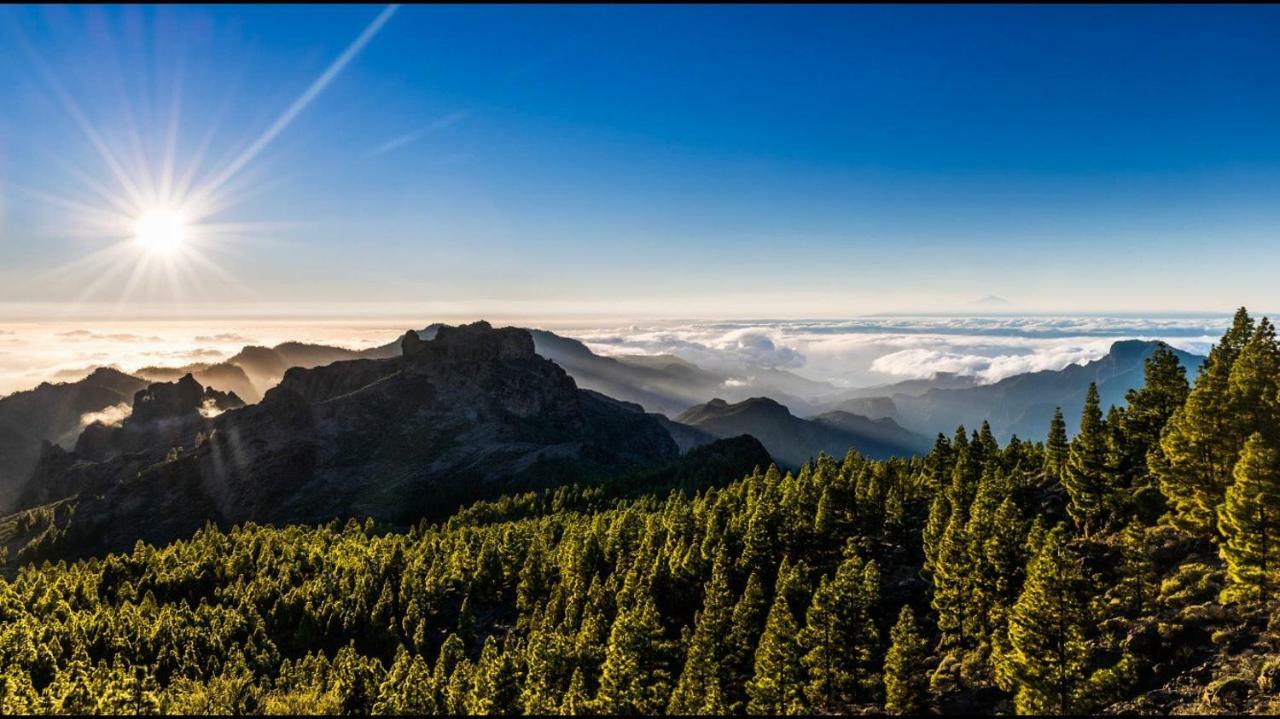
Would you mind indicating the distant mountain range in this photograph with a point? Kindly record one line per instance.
(255, 369)
(1024, 404)
(471, 414)
(670, 385)
(794, 441)
(795, 418)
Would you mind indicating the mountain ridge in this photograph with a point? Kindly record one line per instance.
(793, 440)
(1024, 403)
(470, 414)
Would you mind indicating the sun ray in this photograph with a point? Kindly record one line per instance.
(298, 105)
(77, 115)
(104, 215)
(171, 138)
(161, 214)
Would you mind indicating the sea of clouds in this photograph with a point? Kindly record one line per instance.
(868, 351)
(32, 352)
(850, 353)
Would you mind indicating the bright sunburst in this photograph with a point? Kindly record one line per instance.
(161, 231)
(155, 219)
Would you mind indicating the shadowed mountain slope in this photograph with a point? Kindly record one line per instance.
(793, 440)
(473, 413)
(1024, 404)
(53, 413)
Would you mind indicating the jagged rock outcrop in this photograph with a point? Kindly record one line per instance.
(167, 401)
(472, 413)
(222, 376)
(52, 413)
(163, 415)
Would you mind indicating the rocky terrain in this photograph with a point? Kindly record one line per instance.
(53, 413)
(472, 413)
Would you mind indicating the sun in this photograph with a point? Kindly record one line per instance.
(161, 231)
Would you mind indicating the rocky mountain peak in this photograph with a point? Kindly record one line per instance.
(180, 399)
(164, 400)
(476, 342)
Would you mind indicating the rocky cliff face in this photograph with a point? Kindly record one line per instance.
(52, 413)
(470, 414)
(163, 415)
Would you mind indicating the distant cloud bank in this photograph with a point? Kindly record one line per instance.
(849, 353)
(880, 349)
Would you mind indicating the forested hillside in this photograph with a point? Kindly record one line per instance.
(1130, 568)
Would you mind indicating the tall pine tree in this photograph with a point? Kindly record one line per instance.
(1086, 477)
(1048, 658)
(698, 690)
(1202, 439)
(635, 678)
(1147, 411)
(839, 638)
(778, 684)
(1250, 523)
(1056, 446)
(906, 681)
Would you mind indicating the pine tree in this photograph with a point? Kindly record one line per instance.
(1004, 552)
(576, 700)
(1202, 439)
(986, 444)
(452, 653)
(952, 579)
(1004, 562)
(1254, 384)
(495, 683)
(698, 689)
(17, 695)
(635, 678)
(759, 544)
(777, 686)
(1086, 477)
(407, 687)
(1139, 581)
(934, 529)
(906, 680)
(466, 629)
(1048, 658)
(70, 693)
(356, 679)
(458, 688)
(978, 588)
(938, 465)
(839, 637)
(1249, 520)
(749, 616)
(1056, 447)
(1148, 409)
(548, 663)
(965, 478)
(824, 521)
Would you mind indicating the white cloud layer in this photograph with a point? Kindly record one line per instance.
(869, 351)
(849, 353)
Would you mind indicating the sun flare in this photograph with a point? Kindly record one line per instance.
(162, 231)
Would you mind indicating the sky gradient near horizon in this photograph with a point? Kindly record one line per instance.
(641, 161)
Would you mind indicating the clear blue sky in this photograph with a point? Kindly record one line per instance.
(684, 161)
